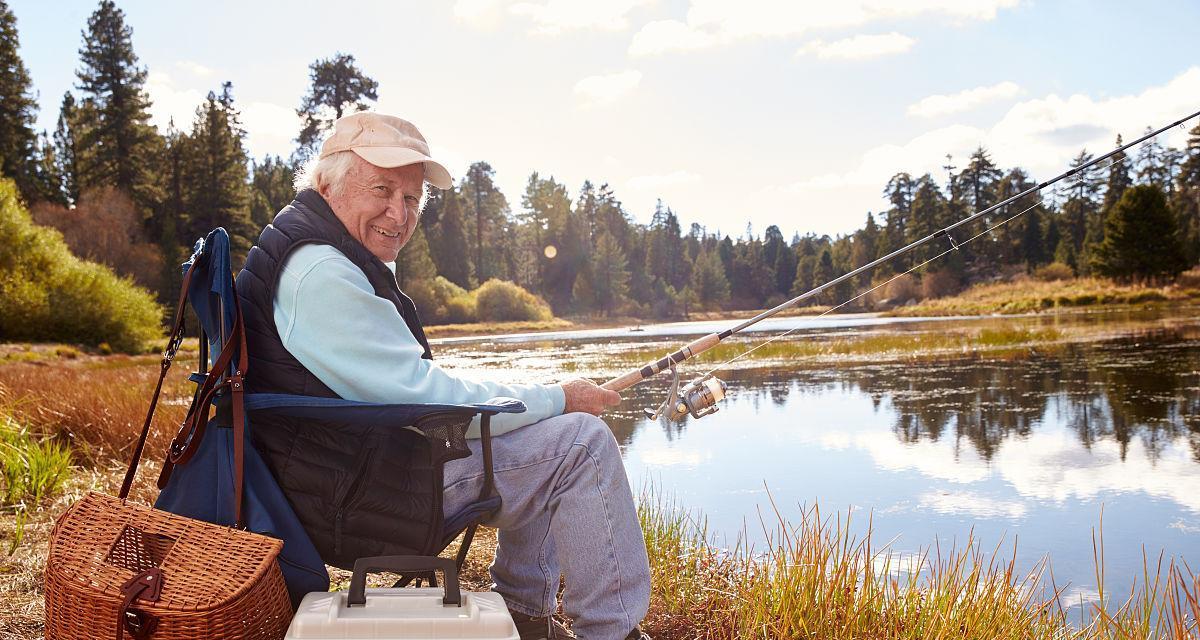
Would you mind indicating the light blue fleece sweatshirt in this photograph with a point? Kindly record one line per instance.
(355, 342)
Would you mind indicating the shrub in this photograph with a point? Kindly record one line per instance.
(106, 227)
(937, 284)
(47, 294)
(1189, 279)
(902, 289)
(461, 310)
(1053, 271)
(500, 300)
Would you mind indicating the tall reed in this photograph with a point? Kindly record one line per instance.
(817, 578)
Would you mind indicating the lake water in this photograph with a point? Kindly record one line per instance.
(1030, 446)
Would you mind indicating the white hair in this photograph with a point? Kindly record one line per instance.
(330, 171)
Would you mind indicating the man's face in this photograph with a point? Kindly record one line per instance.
(379, 207)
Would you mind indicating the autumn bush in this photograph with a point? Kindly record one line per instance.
(48, 294)
(500, 301)
(105, 227)
(1053, 271)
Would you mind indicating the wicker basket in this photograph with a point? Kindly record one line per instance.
(213, 581)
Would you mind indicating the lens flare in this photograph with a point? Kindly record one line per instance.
(551, 251)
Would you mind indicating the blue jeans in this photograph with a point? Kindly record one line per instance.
(568, 509)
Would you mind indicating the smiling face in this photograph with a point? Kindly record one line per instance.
(379, 207)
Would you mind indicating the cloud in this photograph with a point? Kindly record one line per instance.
(172, 102)
(269, 127)
(650, 183)
(194, 68)
(941, 105)
(711, 23)
(1041, 135)
(971, 504)
(481, 14)
(556, 16)
(605, 89)
(550, 17)
(859, 47)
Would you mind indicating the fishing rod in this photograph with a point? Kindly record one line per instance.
(699, 397)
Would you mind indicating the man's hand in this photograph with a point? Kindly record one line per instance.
(588, 397)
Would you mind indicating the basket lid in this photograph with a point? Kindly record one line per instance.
(409, 614)
(102, 542)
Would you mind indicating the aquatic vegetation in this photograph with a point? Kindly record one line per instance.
(817, 579)
(1029, 295)
(854, 345)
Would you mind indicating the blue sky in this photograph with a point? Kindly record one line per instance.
(787, 113)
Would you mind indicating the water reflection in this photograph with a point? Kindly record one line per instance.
(1145, 387)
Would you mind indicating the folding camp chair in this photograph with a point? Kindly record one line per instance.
(202, 458)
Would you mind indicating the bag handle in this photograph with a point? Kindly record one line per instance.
(357, 596)
(169, 351)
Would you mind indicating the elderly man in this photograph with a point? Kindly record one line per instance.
(324, 316)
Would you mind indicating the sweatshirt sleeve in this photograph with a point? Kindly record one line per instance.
(355, 342)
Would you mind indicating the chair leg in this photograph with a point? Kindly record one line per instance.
(485, 436)
(468, 536)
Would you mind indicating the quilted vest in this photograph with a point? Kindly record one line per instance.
(358, 491)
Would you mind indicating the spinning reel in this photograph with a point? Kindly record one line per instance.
(698, 398)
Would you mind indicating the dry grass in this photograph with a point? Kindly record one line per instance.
(1027, 295)
(95, 403)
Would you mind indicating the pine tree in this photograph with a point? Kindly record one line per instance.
(336, 85)
(666, 257)
(216, 191)
(48, 178)
(270, 189)
(609, 275)
(414, 266)
(929, 212)
(66, 147)
(1140, 238)
(1153, 164)
(487, 213)
(1186, 199)
(1118, 179)
(978, 181)
(18, 112)
(119, 146)
(448, 245)
(709, 287)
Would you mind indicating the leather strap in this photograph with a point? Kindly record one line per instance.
(146, 585)
(173, 342)
(191, 433)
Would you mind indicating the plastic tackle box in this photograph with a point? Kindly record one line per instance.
(425, 613)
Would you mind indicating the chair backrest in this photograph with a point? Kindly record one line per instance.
(213, 473)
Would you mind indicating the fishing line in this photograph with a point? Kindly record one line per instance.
(954, 247)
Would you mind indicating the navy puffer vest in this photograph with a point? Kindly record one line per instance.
(358, 491)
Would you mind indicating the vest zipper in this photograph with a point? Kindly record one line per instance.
(364, 469)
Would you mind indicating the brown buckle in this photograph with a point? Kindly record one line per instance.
(146, 586)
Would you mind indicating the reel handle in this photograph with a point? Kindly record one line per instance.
(634, 376)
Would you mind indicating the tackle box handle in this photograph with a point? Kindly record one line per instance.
(357, 597)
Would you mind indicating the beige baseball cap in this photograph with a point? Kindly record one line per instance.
(385, 141)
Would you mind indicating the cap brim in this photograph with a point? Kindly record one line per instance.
(389, 157)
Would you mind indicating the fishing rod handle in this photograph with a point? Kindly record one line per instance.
(634, 376)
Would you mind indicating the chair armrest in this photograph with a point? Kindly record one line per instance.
(400, 415)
